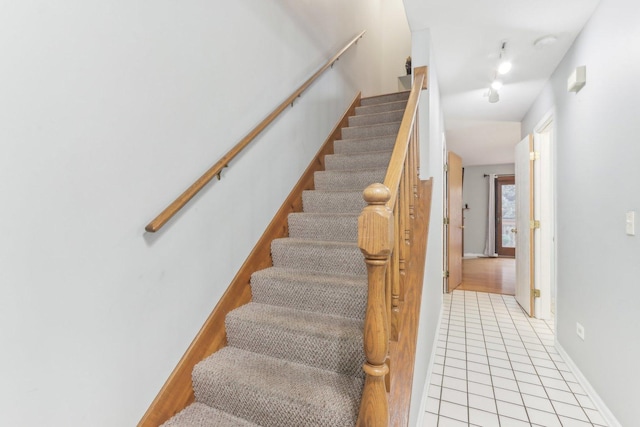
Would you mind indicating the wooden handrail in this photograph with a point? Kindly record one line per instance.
(216, 169)
(396, 164)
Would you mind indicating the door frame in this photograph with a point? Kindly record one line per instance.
(545, 208)
(525, 216)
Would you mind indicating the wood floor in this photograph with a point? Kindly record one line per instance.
(493, 275)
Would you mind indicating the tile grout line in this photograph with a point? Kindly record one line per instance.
(535, 367)
(507, 352)
(474, 312)
(563, 379)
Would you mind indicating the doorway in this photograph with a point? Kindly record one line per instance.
(453, 222)
(506, 215)
(536, 246)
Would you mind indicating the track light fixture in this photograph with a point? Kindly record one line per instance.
(503, 67)
(493, 96)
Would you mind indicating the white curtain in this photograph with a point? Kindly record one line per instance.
(490, 239)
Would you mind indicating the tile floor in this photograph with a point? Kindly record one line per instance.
(495, 366)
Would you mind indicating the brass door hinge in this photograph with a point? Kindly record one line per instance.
(534, 155)
(536, 293)
(446, 167)
(445, 273)
(445, 221)
(534, 224)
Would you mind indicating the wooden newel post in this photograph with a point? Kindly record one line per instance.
(375, 239)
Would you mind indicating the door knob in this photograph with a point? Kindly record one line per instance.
(514, 230)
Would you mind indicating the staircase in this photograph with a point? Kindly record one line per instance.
(295, 352)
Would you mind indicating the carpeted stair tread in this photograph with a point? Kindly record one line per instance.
(376, 118)
(370, 131)
(316, 201)
(348, 179)
(320, 256)
(315, 339)
(381, 108)
(201, 415)
(337, 295)
(324, 226)
(386, 98)
(356, 161)
(363, 145)
(274, 392)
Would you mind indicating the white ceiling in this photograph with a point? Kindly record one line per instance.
(466, 38)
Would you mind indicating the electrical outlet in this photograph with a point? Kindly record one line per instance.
(580, 330)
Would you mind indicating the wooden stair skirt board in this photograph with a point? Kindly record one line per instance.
(284, 345)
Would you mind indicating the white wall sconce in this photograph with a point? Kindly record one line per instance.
(577, 79)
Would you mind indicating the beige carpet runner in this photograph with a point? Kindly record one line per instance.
(294, 356)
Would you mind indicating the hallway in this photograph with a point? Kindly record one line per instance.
(493, 275)
(496, 367)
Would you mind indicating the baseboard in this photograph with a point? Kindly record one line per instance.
(595, 398)
(432, 361)
(472, 255)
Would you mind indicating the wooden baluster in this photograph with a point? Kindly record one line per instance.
(402, 252)
(375, 239)
(394, 268)
(407, 200)
(388, 294)
(416, 134)
(411, 178)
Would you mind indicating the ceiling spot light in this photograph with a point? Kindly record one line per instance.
(493, 96)
(504, 67)
(545, 41)
(496, 84)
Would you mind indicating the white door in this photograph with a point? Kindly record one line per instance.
(524, 216)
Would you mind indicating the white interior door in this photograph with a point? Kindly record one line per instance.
(524, 216)
(543, 242)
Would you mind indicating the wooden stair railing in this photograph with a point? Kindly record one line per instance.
(217, 168)
(384, 237)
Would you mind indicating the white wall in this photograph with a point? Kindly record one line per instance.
(475, 194)
(109, 110)
(395, 45)
(598, 265)
(431, 165)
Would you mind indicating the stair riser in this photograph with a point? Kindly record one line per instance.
(337, 355)
(381, 108)
(375, 119)
(332, 259)
(347, 180)
(333, 202)
(275, 393)
(357, 161)
(195, 413)
(347, 146)
(335, 299)
(386, 129)
(316, 227)
(384, 99)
